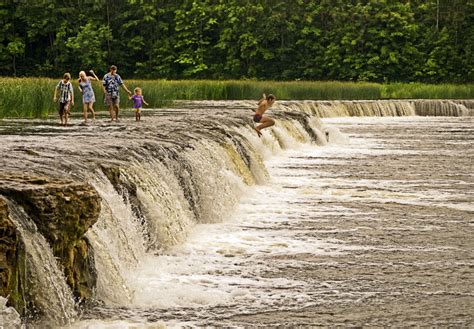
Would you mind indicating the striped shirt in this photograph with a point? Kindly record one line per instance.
(66, 92)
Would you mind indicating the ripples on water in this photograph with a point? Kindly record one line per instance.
(374, 231)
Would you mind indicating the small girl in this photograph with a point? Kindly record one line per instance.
(138, 100)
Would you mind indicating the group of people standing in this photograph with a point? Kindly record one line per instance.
(111, 83)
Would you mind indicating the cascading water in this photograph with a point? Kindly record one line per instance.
(328, 109)
(8, 315)
(44, 281)
(117, 239)
(219, 177)
(160, 250)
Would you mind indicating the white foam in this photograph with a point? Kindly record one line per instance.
(234, 264)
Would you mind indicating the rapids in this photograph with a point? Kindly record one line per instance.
(363, 217)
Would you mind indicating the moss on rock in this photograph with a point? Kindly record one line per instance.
(63, 210)
(12, 253)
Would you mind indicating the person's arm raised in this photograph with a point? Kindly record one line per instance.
(94, 76)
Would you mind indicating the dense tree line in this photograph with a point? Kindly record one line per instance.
(369, 40)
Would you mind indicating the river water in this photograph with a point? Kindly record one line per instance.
(373, 229)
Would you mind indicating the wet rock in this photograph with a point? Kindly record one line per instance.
(126, 189)
(9, 255)
(8, 240)
(62, 210)
(83, 270)
(113, 174)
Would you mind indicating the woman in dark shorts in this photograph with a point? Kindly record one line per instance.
(264, 104)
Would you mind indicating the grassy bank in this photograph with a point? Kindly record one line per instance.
(33, 97)
(427, 91)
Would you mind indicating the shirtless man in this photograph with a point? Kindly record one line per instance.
(264, 104)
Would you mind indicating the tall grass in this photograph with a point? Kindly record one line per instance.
(248, 89)
(30, 97)
(33, 97)
(427, 91)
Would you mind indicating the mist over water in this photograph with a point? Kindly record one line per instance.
(345, 221)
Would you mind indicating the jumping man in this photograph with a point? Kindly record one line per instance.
(264, 104)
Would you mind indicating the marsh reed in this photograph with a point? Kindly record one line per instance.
(33, 97)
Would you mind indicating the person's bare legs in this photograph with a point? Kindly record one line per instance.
(84, 111)
(111, 112)
(67, 112)
(91, 108)
(116, 107)
(265, 122)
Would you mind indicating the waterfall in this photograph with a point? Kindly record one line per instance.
(159, 199)
(157, 180)
(328, 109)
(43, 280)
(8, 315)
(444, 108)
(117, 241)
(325, 109)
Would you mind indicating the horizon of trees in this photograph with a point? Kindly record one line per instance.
(350, 40)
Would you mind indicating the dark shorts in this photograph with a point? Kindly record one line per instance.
(257, 117)
(63, 108)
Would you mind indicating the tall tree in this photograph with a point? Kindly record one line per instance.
(374, 40)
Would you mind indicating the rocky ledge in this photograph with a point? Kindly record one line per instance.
(62, 211)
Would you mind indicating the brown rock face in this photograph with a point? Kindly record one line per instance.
(63, 210)
(9, 241)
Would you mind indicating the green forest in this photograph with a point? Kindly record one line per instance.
(429, 41)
